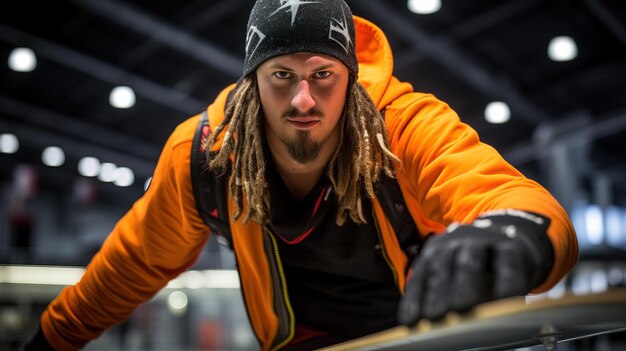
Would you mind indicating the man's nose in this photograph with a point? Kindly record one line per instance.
(302, 100)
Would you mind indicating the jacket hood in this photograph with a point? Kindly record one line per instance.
(376, 64)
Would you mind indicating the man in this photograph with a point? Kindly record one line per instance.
(308, 140)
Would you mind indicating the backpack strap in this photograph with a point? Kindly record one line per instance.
(209, 188)
(391, 200)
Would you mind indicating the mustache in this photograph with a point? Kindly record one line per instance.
(310, 113)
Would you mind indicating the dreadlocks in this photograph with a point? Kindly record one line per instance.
(356, 164)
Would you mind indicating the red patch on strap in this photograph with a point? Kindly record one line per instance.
(214, 213)
(206, 130)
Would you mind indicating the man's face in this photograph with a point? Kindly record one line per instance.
(302, 97)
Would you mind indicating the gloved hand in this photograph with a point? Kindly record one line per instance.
(38, 343)
(503, 253)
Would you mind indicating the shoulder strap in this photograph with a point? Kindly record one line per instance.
(392, 202)
(209, 188)
(390, 196)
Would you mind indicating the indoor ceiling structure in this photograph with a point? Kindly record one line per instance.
(177, 55)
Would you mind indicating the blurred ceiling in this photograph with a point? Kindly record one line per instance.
(178, 55)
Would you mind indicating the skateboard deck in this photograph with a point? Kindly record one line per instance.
(505, 324)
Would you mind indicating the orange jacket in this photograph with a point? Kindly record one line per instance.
(447, 175)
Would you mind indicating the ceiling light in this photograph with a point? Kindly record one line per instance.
(615, 232)
(9, 143)
(194, 279)
(177, 302)
(599, 281)
(211, 279)
(562, 48)
(40, 275)
(53, 156)
(221, 278)
(424, 7)
(107, 172)
(89, 166)
(146, 184)
(122, 97)
(124, 176)
(59, 275)
(594, 224)
(497, 112)
(22, 60)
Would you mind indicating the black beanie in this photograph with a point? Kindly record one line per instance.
(279, 27)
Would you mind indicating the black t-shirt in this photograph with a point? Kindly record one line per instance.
(338, 280)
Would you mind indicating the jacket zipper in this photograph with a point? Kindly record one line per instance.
(384, 250)
(282, 306)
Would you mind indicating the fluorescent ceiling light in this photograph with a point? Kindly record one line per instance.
(62, 275)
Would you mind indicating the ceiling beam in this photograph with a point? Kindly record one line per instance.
(442, 52)
(195, 20)
(601, 79)
(614, 24)
(471, 27)
(210, 13)
(490, 18)
(77, 128)
(603, 127)
(103, 71)
(165, 34)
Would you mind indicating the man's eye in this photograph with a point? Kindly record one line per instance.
(322, 74)
(282, 75)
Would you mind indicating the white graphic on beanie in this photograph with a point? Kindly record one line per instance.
(339, 32)
(254, 39)
(293, 4)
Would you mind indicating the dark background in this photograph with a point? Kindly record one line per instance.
(179, 55)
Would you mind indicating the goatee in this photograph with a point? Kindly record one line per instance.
(302, 149)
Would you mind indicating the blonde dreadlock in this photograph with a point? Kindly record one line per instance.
(357, 163)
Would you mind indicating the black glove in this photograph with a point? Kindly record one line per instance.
(38, 342)
(503, 253)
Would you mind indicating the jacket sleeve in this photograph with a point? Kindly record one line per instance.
(157, 239)
(450, 176)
